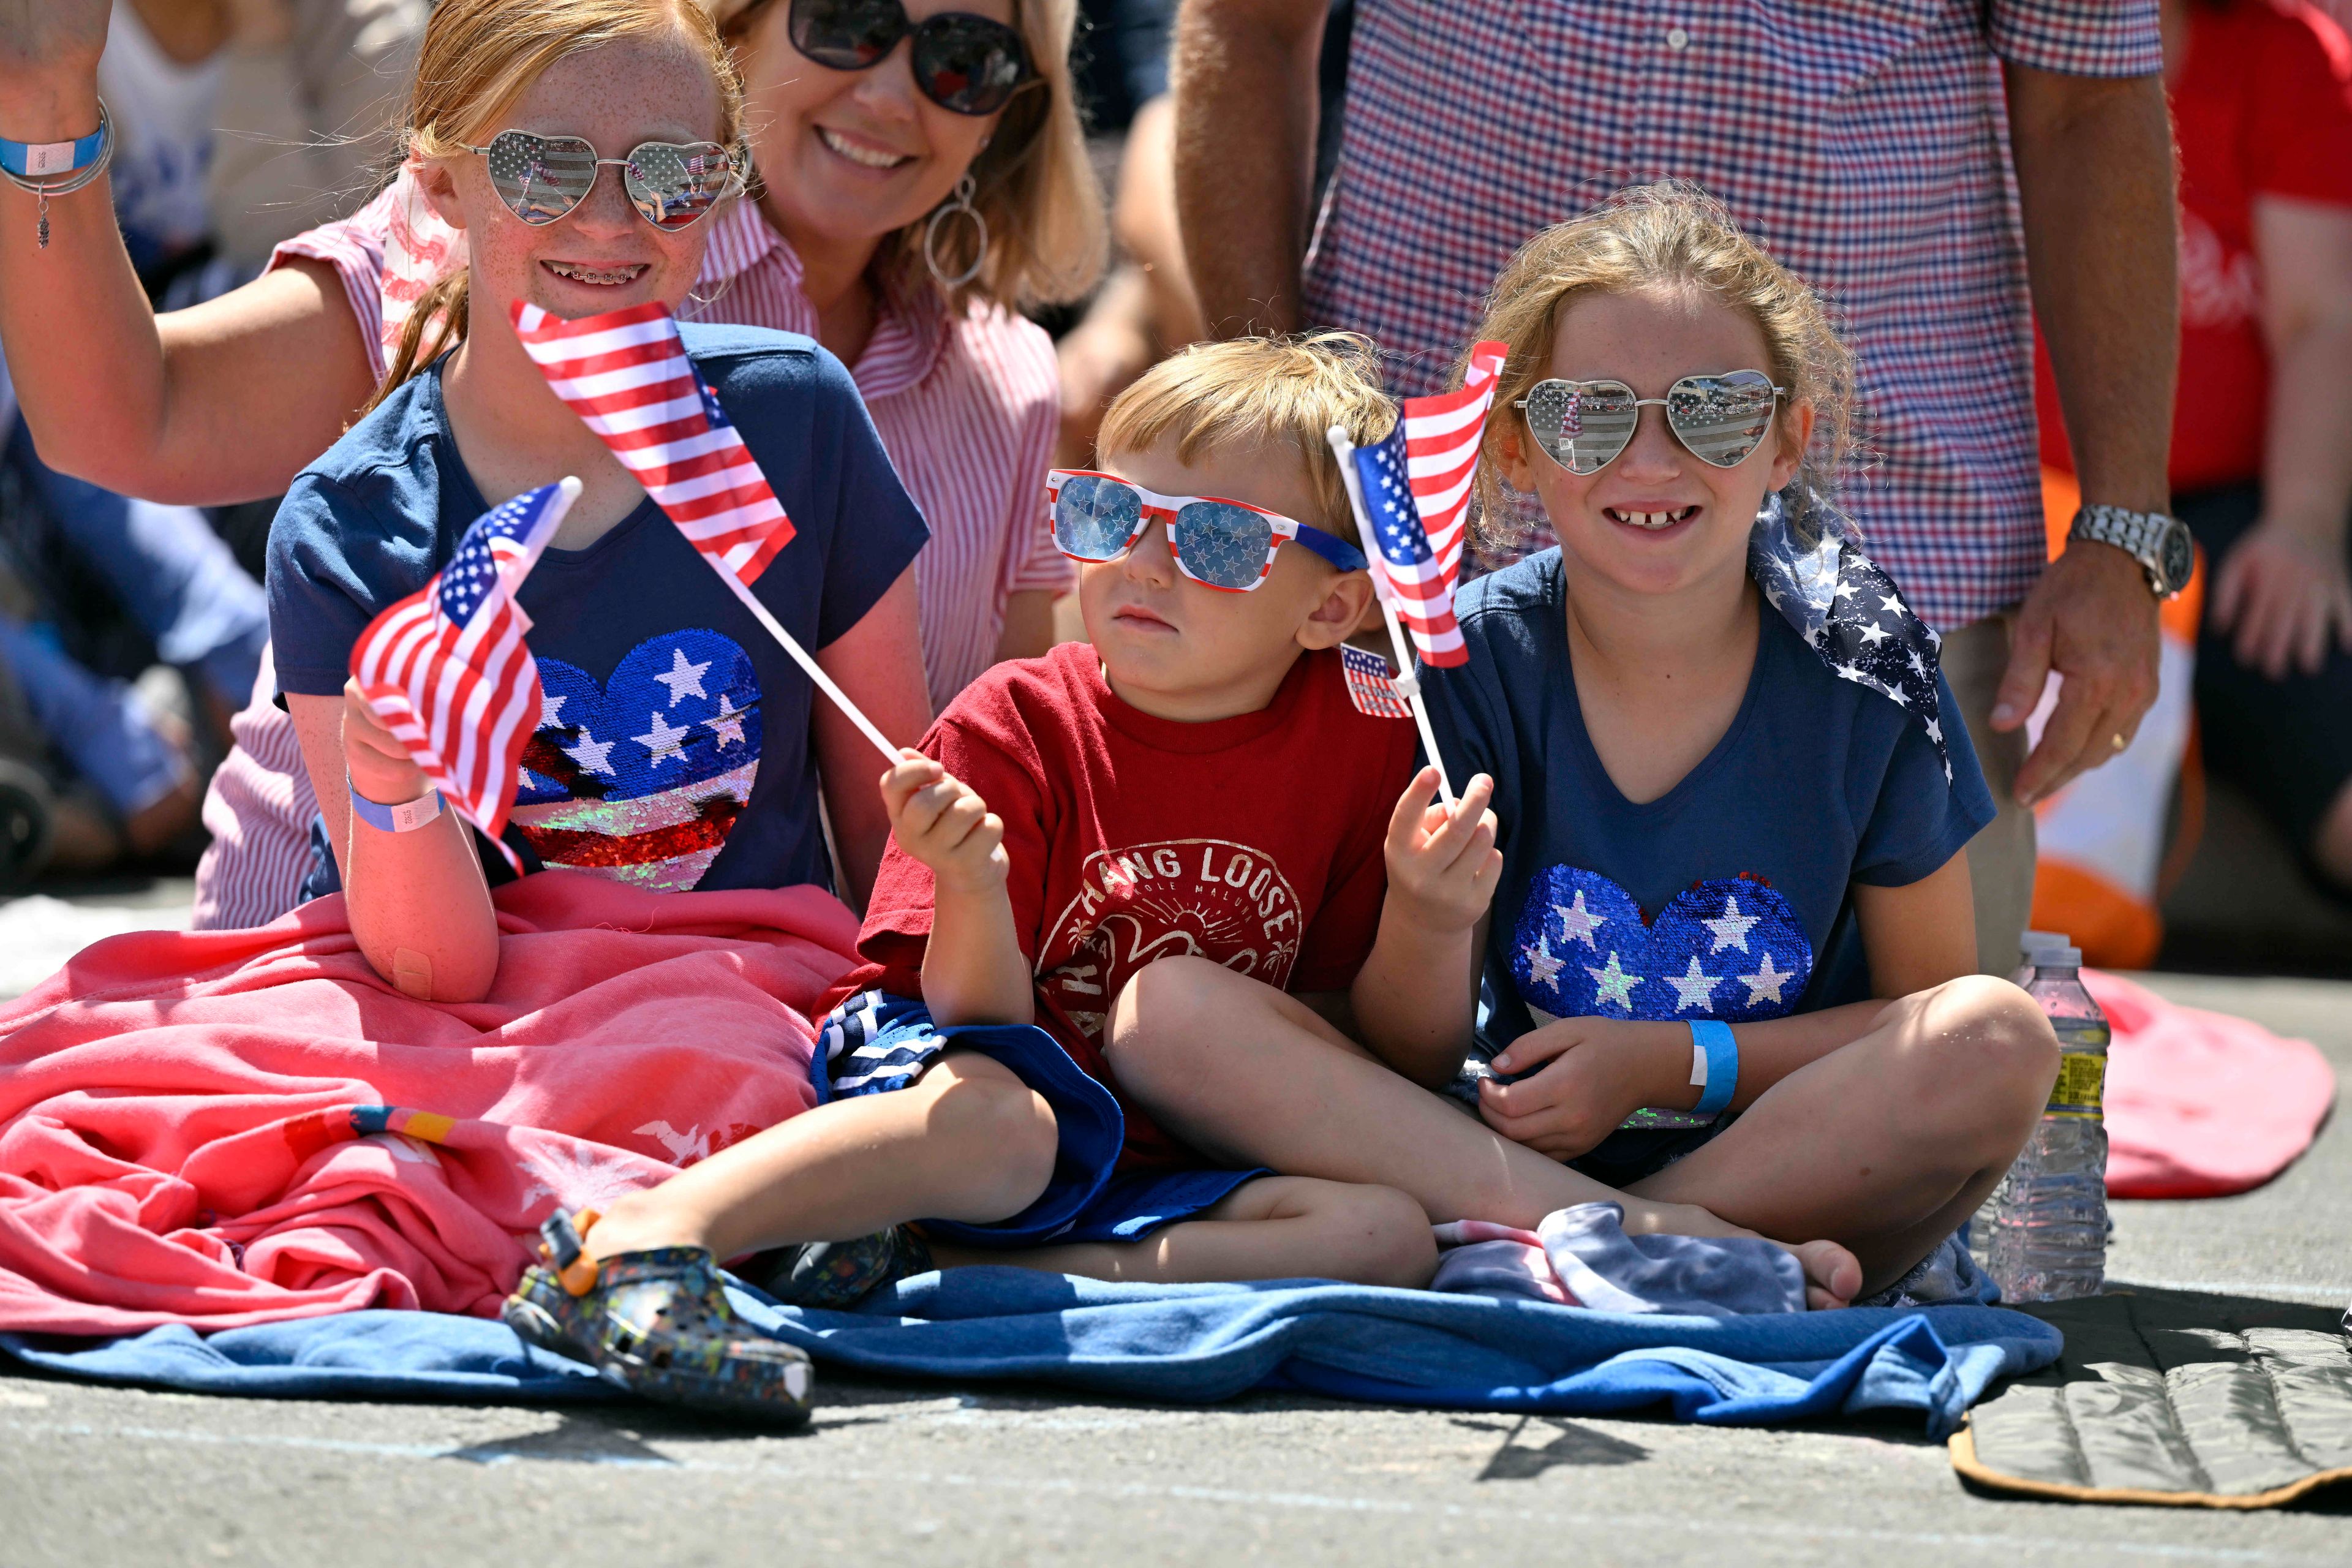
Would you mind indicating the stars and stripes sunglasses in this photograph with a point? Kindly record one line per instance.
(1226, 544)
(1583, 426)
(672, 185)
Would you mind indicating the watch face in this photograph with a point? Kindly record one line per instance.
(2177, 554)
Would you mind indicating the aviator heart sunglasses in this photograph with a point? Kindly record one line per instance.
(963, 63)
(671, 185)
(1226, 544)
(1582, 426)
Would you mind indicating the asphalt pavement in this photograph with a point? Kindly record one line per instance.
(892, 1473)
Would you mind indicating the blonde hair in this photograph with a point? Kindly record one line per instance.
(477, 58)
(1032, 184)
(1670, 236)
(1262, 391)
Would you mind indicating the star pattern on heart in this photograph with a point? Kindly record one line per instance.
(1726, 948)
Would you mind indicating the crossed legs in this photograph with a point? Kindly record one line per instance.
(1882, 1147)
(970, 1141)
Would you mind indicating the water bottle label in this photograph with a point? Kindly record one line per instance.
(2082, 1077)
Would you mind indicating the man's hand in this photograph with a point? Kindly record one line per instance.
(2287, 590)
(942, 822)
(1442, 866)
(2092, 620)
(378, 765)
(1601, 1070)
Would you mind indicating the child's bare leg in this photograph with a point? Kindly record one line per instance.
(969, 1140)
(1254, 1077)
(1890, 1143)
(1277, 1227)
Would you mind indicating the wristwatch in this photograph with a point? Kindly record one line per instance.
(2160, 544)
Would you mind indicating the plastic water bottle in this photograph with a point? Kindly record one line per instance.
(2043, 1235)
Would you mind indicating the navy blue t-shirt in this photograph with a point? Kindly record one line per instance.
(672, 749)
(1716, 900)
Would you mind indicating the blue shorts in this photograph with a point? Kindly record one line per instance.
(874, 1043)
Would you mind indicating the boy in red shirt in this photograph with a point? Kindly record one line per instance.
(1193, 782)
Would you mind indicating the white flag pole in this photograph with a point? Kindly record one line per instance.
(799, 655)
(1344, 448)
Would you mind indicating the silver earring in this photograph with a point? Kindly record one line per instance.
(957, 204)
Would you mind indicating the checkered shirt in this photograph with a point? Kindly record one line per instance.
(1864, 145)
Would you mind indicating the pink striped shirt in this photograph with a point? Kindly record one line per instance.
(967, 407)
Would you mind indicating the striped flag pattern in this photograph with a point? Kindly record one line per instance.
(1440, 440)
(1416, 487)
(1370, 687)
(626, 374)
(447, 671)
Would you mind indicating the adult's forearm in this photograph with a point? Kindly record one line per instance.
(2095, 179)
(1245, 116)
(79, 336)
(2307, 455)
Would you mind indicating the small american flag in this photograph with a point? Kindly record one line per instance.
(1370, 687)
(626, 374)
(447, 671)
(1416, 486)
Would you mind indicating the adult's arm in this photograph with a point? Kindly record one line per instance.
(2093, 160)
(224, 402)
(2285, 587)
(878, 663)
(1028, 624)
(1245, 112)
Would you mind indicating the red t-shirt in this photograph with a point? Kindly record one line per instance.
(2263, 106)
(1252, 841)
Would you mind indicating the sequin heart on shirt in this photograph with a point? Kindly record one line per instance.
(1730, 948)
(642, 778)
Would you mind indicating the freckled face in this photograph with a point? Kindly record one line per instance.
(599, 256)
(1657, 517)
(1161, 633)
(851, 155)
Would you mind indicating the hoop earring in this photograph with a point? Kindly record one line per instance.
(958, 204)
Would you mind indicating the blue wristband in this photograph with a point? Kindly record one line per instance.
(405, 817)
(49, 160)
(1722, 1066)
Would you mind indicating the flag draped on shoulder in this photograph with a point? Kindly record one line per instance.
(1416, 487)
(447, 671)
(626, 374)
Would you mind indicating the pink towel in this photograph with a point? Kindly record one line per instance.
(2201, 1104)
(177, 1143)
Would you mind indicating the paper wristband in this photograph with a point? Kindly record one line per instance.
(405, 817)
(43, 160)
(1715, 1066)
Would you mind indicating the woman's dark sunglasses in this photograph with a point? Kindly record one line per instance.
(963, 63)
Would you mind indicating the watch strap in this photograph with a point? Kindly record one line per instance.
(2138, 534)
(405, 817)
(47, 160)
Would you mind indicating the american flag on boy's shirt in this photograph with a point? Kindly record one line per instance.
(447, 671)
(626, 374)
(1370, 687)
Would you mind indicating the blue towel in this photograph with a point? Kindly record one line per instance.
(1183, 1344)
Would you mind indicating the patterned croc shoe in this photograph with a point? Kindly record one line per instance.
(835, 1276)
(658, 1323)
